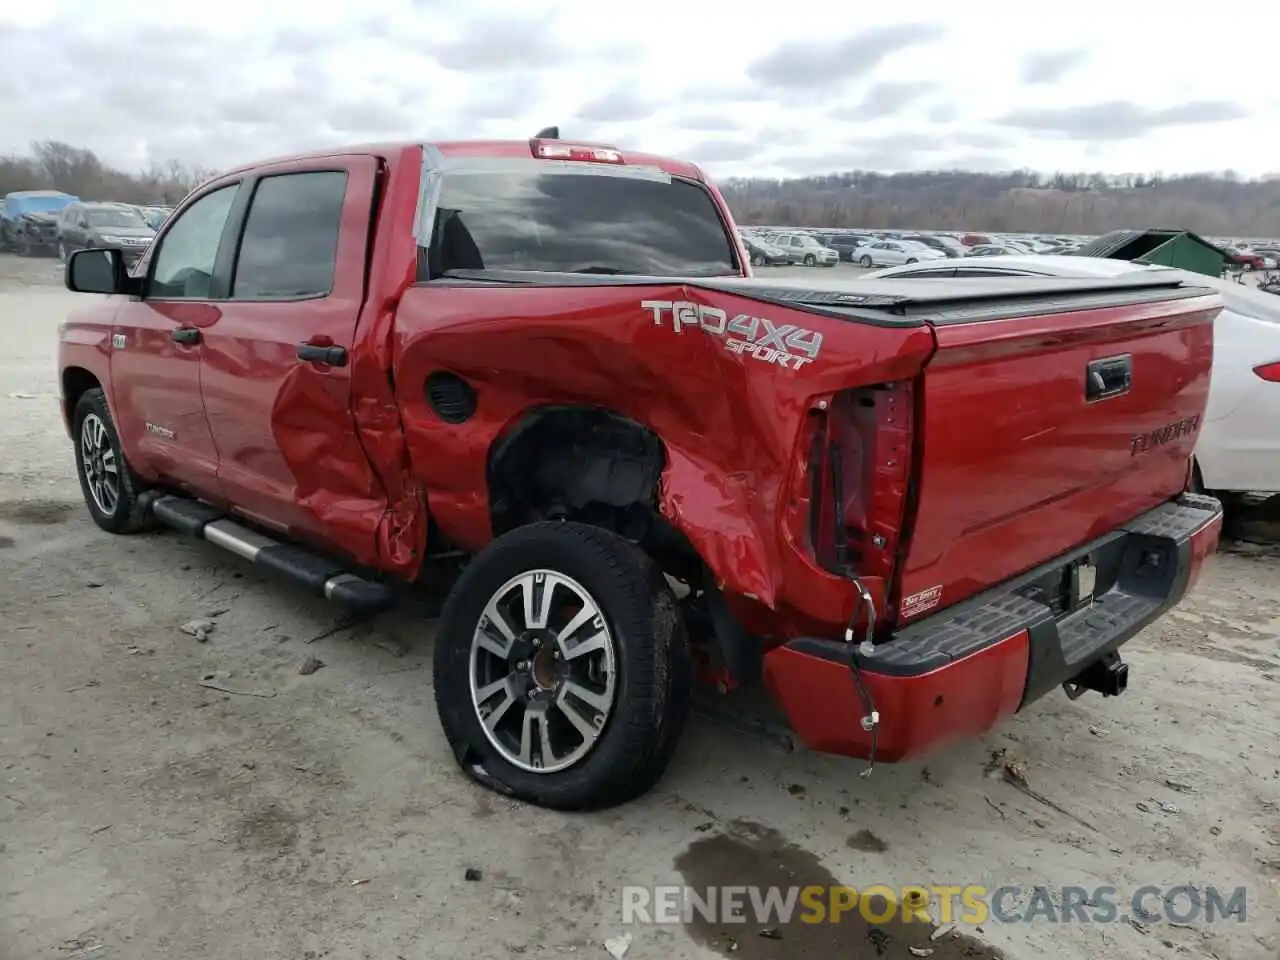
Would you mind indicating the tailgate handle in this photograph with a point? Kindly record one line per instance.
(1108, 377)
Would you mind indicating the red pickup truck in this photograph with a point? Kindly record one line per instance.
(909, 507)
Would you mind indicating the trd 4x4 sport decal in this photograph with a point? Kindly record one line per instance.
(787, 346)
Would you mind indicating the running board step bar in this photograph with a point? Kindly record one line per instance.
(317, 575)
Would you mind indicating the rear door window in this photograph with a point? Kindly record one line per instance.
(534, 217)
(290, 245)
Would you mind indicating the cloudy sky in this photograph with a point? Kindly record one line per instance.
(741, 86)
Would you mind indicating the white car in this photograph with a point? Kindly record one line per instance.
(1239, 446)
(894, 252)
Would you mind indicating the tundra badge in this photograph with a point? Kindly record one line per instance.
(160, 431)
(1158, 438)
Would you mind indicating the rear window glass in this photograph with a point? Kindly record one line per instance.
(574, 222)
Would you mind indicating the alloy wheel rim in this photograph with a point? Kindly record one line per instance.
(98, 461)
(543, 671)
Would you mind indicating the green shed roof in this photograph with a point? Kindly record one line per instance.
(1133, 244)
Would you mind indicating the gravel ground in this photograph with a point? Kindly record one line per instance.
(143, 815)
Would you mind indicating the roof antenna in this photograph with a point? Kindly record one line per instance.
(548, 133)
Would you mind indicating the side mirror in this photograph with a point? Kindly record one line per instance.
(97, 271)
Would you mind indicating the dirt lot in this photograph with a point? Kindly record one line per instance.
(143, 815)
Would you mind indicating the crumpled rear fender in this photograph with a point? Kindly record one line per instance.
(728, 408)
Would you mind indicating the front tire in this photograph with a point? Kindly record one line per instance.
(566, 639)
(111, 489)
(911, 260)
(865, 261)
(757, 260)
(62, 252)
(810, 260)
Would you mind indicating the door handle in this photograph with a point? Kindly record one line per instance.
(1108, 377)
(328, 355)
(187, 335)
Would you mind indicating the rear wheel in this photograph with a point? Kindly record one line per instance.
(111, 489)
(562, 670)
(757, 260)
(865, 260)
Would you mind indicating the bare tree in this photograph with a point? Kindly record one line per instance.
(54, 165)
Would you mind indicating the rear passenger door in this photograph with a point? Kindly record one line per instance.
(276, 365)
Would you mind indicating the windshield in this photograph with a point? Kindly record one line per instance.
(558, 220)
(122, 217)
(46, 204)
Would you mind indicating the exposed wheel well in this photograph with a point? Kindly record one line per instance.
(75, 382)
(590, 465)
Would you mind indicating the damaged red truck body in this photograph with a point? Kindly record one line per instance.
(909, 507)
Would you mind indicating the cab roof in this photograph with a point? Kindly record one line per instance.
(480, 149)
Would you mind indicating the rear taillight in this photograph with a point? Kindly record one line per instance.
(1269, 372)
(559, 150)
(860, 468)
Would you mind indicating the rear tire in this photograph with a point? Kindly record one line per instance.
(757, 260)
(638, 632)
(111, 489)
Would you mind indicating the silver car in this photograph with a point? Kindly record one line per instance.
(805, 249)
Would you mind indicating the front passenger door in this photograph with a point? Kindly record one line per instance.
(155, 360)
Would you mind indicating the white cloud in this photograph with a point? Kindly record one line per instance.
(831, 87)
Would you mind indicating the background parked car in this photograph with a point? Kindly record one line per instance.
(895, 252)
(1238, 450)
(845, 244)
(116, 226)
(944, 245)
(996, 250)
(807, 250)
(765, 254)
(28, 220)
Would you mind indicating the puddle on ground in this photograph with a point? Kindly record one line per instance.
(755, 856)
(37, 512)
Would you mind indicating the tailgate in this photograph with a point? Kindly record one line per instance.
(1039, 433)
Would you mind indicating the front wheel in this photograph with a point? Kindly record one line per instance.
(111, 490)
(865, 261)
(757, 260)
(912, 260)
(62, 251)
(562, 669)
(24, 245)
(810, 260)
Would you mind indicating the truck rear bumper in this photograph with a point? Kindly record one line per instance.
(957, 674)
